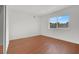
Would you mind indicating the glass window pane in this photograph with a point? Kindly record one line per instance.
(53, 22)
(63, 21)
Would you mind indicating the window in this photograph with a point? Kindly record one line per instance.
(59, 22)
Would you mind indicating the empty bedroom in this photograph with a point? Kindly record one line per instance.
(42, 29)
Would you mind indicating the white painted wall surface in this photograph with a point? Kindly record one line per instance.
(22, 25)
(71, 34)
(7, 28)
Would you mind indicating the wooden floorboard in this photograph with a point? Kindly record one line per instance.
(42, 45)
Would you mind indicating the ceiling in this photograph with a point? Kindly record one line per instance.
(37, 9)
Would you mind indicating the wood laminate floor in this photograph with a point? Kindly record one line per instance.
(42, 45)
(1, 49)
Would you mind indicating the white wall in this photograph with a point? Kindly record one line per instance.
(7, 27)
(71, 34)
(22, 24)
